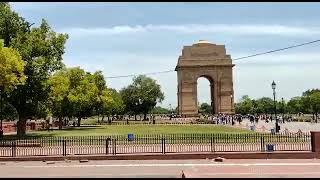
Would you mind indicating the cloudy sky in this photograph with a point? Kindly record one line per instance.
(132, 38)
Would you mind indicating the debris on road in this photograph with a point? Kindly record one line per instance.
(51, 162)
(219, 159)
(83, 160)
(183, 175)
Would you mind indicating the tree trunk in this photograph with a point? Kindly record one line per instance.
(135, 117)
(79, 121)
(145, 116)
(102, 119)
(21, 127)
(60, 122)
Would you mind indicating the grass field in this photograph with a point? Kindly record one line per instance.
(139, 129)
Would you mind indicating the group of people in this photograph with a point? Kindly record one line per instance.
(238, 118)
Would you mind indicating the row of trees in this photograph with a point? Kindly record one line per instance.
(308, 103)
(35, 83)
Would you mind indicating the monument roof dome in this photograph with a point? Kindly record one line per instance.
(203, 42)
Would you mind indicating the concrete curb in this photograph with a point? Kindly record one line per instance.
(231, 155)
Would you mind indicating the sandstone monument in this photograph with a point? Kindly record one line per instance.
(204, 59)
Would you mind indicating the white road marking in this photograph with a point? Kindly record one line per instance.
(168, 165)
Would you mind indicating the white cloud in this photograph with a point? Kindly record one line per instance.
(236, 29)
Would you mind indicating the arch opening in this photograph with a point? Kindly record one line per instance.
(205, 95)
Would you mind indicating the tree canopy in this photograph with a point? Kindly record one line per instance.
(142, 95)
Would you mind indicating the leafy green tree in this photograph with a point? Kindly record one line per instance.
(11, 75)
(310, 101)
(159, 110)
(142, 95)
(82, 93)
(315, 104)
(76, 93)
(11, 68)
(59, 86)
(99, 81)
(130, 100)
(118, 106)
(295, 105)
(264, 105)
(113, 105)
(42, 51)
(245, 106)
(11, 23)
(205, 108)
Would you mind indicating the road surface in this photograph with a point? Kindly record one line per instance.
(203, 168)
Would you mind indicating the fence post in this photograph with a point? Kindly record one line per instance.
(213, 149)
(262, 144)
(163, 142)
(114, 147)
(14, 147)
(64, 147)
(107, 145)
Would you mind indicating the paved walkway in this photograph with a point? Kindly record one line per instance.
(292, 127)
(202, 168)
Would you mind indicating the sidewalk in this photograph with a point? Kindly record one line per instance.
(226, 155)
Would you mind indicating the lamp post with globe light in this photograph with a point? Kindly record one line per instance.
(273, 85)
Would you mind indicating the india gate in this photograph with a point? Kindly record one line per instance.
(204, 59)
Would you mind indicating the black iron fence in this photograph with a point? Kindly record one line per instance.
(158, 143)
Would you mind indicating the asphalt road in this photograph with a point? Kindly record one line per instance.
(164, 168)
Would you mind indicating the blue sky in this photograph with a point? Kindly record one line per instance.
(132, 38)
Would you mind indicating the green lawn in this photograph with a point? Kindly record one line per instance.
(139, 129)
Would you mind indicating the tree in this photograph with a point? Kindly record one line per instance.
(264, 105)
(76, 93)
(142, 95)
(205, 108)
(11, 68)
(100, 83)
(82, 93)
(59, 86)
(42, 51)
(130, 100)
(159, 110)
(245, 106)
(315, 104)
(295, 105)
(310, 102)
(11, 75)
(11, 24)
(113, 105)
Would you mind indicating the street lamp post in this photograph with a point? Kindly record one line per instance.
(283, 109)
(273, 85)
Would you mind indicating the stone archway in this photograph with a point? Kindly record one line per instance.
(204, 59)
